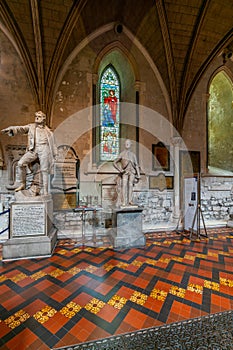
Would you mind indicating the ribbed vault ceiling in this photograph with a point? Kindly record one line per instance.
(182, 37)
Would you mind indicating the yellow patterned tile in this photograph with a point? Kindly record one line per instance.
(18, 277)
(189, 257)
(226, 282)
(164, 260)
(151, 261)
(203, 256)
(177, 258)
(38, 275)
(56, 273)
(213, 254)
(137, 263)
(167, 242)
(45, 314)
(70, 309)
(3, 278)
(108, 267)
(62, 252)
(91, 268)
(88, 249)
(157, 243)
(158, 294)
(179, 292)
(195, 288)
(224, 253)
(139, 298)
(122, 265)
(16, 319)
(74, 271)
(117, 302)
(103, 248)
(76, 250)
(94, 306)
(211, 285)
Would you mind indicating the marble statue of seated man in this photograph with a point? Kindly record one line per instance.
(41, 147)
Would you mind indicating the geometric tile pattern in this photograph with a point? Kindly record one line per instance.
(203, 333)
(81, 294)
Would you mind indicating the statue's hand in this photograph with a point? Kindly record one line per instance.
(7, 131)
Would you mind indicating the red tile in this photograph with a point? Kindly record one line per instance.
(135, 318)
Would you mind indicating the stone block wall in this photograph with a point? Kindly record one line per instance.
(217, 198)
(216, 204)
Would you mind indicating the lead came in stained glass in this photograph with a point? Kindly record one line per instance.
(109, 114)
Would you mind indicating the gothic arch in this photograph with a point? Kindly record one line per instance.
(138, 45)
(219, 123)
(116, 46)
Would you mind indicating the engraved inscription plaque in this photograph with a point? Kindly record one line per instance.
(28, 220)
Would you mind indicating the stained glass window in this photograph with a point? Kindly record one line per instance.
(220, 121)
(109, 114)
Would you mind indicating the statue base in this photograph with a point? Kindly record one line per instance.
(127, 228)
(32, 234)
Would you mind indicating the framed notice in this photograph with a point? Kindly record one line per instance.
(161, 182)
(160, 157)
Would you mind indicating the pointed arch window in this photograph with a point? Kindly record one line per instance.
(109, 114)
(220, 122)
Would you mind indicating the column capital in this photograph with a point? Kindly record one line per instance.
(140, 86)
(176, 141)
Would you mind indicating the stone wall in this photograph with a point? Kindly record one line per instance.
(216, 204)
(217, 198)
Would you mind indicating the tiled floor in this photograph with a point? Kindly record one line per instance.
(81, 294)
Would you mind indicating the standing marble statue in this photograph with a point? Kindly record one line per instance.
(41, 147)
(127, 165)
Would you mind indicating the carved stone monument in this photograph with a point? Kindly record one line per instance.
(65, 180)
(31, 229)
(127, 228)
(31, 214)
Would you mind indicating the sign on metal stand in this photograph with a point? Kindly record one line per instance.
(192, 207)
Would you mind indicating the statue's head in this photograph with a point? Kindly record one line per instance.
(127, 143)
(40, 117)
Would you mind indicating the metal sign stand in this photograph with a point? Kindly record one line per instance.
(198, 214)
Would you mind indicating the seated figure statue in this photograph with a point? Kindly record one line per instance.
(41, 147)
(129, 173)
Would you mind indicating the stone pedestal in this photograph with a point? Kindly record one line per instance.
(127, 228)
(230, 221)
(31, 229)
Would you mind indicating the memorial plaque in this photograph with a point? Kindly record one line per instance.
(64, 201)
(28, 220)
(109, 196)
(66, 169)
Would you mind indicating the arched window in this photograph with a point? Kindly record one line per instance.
(220, 123)
(109, 114)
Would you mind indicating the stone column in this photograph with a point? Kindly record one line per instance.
(176, 142)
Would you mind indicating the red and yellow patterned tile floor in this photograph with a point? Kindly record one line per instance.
(84, 293)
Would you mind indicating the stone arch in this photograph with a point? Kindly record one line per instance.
(219, 123)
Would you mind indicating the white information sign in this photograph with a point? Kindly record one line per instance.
(190, 203)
